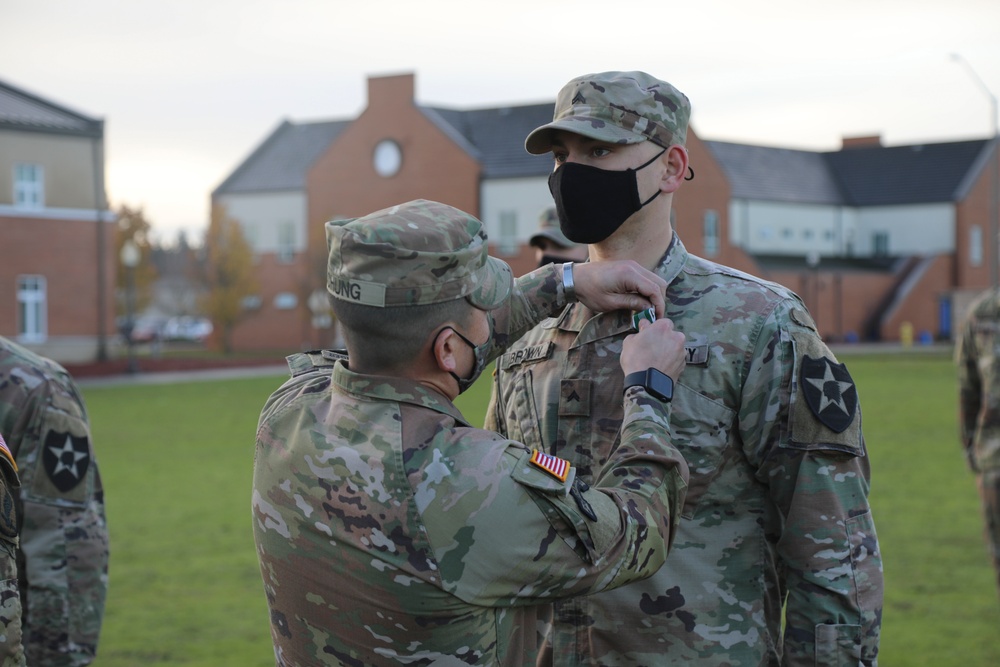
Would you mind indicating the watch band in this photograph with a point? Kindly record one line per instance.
(569, 287)
(656, 383)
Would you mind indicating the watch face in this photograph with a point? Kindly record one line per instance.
(388, 158)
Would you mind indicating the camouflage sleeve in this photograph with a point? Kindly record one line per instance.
(969, 387)
(801, 425)
(64, 537)
(534, 297)
(540, 538)
(494, 420)
(11, 648)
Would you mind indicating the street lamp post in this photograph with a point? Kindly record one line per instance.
(130, 257)
(995, 171)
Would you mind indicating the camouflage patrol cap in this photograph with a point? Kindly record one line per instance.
(416, 253)
(619, 108)
(548, 228)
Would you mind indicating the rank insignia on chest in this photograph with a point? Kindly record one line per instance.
(555, 466)
(830, 392)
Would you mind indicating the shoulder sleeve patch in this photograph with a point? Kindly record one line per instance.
(542, 472)
(555, 466)
(825, 411)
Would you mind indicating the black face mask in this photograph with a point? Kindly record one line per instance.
(478, 358)
(592, 203)
(554, 259)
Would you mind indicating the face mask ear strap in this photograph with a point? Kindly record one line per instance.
(649, 162)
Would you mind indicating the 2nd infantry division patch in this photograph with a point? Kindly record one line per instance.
(66, 459)
(830, 392)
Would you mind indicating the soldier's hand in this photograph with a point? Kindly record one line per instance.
(657, 345)
(604, 286)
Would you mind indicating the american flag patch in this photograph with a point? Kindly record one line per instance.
(555, 466)
(6, 453)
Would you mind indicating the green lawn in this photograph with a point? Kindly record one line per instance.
(185, 590)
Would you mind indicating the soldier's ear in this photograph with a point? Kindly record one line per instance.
(443, 348)
(676, 159)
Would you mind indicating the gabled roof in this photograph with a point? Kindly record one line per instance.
(21, 110)
(498, 135)
(495, 137)
(917, 174)
(776, 174)
(282, 161)
(858, 176)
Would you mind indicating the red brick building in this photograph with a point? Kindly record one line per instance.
(56, 234)
(871, 237)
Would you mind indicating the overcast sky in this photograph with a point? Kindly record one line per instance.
(187, 88)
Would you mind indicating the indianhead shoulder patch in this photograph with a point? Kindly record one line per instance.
(555, 466)
(830, 392)
(66, 458)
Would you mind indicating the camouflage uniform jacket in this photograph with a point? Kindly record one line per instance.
(390, 531)
(64, 537)
(978, 358)
(11, 648)
(776, 512)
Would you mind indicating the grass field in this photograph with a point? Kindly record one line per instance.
(177, 461)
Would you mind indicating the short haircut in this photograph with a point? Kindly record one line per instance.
(388, 339)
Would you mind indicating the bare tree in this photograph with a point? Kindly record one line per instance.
(226, 273)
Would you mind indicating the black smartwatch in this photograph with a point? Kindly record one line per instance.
(657, 384)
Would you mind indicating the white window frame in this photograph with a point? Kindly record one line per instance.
(507, 241)
(29, 185)
(880, 244)
(976, 245)
(286, 242)
(710, 229)
(32, 308)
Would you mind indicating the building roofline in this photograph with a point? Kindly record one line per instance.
(94, 127)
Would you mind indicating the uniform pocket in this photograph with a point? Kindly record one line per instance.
(838, 645)
(700, 428)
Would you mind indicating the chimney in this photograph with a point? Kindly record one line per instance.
(391, 91)
(869, 141)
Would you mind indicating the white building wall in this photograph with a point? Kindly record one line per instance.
(774, 228)
(522, 198)
(263, 214)
(923, 229)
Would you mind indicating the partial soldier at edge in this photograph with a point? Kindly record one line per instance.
(63, 568)
(977, 356)
(11, 646)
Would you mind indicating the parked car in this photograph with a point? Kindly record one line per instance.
(144, 329)
(188, 328)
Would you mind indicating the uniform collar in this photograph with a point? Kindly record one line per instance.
(395, 389)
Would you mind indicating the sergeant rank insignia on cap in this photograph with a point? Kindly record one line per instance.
(555, 466)
(830, 392)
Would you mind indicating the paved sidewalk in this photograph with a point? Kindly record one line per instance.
(281, 370)
(170, 377)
